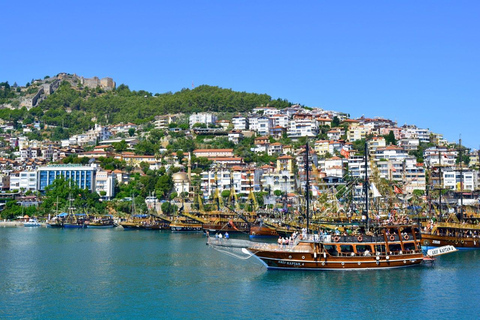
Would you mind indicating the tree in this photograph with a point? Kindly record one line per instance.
(390, 138)
(335, 122)
(168, 208)
(144, 166)
(131, 132)
(225, 193)
(120, 146)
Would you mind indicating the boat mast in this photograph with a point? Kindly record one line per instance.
(366, 183)
(440, 185)
(461, 180)
(307, 189)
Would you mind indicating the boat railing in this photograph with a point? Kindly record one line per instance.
(458, 225)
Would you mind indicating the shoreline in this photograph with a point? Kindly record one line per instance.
(5, 224)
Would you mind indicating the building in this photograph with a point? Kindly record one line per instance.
(105, 184)
(83, 176)
(213, 153)
(181, 182)
(23, 180)
(240, 123)
(355, 133)
(205, 118)
(235, 136)
(302, 127)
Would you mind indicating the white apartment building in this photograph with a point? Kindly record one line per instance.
(302, 128)
(24, 180)
(280, 120)
(390, 152)
(206, 118)
(409, 143)
(278, 180)
(452, 178)
(356, 167)
(440, 155)
(240, 123)
(105, 184)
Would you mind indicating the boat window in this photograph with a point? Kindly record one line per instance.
(380, 248)
(332, 250)
(362, 248)
(395, 247)
(409, 246)
(346, 248)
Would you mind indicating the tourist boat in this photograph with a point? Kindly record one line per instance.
(229, 226)
(263, 231)
(75, 221)
(462, 231)
(186, 225)
(32, 222)
(368, 246)
(103, 222)
(461, 235)
(55, 223)
(381, 247)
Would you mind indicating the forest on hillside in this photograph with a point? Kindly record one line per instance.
(74, 109)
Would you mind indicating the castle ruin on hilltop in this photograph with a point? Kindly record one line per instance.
(104, 83)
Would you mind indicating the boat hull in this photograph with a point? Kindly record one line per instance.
(73, 226)
(100, 226)
(307, 261)
(186, 227)
(431, 240)
(263, 232)
(222, 228)
(54, 225)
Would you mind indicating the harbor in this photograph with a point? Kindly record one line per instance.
(111, 273)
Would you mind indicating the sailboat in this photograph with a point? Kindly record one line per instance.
(73, 220)
(57, 221)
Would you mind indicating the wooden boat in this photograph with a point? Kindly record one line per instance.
(104, 222)
(186, 225)
(55, 223)
(367, 246)
(388, 247)
(461, 235)
(263, 231)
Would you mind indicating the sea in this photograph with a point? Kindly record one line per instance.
(116, 274)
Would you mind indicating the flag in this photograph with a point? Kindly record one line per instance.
(375, 191)
(397, 189)
(230, 222)
(315, 191)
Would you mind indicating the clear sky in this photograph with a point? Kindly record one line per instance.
(416, 62)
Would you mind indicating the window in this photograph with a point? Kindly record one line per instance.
(346, 248)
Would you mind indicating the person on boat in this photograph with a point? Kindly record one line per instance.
(226, 235)
(220, 236)
(279, 241)
(367, 253)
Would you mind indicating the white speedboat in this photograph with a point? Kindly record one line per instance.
(32, 222)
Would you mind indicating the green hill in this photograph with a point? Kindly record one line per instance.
(76, 107)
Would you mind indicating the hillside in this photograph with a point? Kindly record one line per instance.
(76, 107)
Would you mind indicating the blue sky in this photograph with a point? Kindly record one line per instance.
(416, 62)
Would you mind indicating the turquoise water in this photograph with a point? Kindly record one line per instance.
(116, 274)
